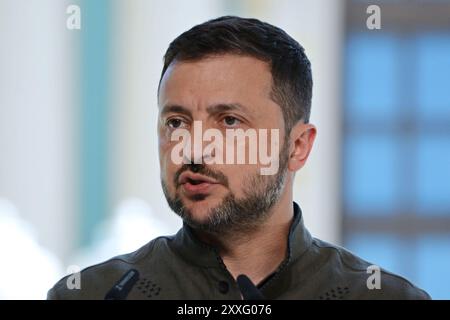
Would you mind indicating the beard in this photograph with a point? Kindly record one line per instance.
(233, 215)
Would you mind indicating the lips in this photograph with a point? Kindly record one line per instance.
(194, 183)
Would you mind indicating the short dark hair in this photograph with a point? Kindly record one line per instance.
(290, 67)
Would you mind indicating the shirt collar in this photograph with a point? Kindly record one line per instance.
(203, 255)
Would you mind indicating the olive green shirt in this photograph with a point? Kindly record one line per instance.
(182, 267)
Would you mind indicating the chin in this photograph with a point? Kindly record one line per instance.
(200, 209)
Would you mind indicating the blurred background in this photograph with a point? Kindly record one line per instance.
(79, 172)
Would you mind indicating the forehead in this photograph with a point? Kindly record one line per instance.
(217, 79)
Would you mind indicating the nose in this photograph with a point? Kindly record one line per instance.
(196, 162)
(194, 152)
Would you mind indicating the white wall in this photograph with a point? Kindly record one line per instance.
(37, 102)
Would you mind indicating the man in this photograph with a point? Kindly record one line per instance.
(235, 76)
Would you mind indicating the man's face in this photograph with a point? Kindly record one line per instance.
(221, 92)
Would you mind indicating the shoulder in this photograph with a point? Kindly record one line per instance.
(95, 281)
(366, 280)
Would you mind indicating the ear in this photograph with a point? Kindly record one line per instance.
(302, 138)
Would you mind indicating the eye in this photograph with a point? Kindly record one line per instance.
(231, 121)
(175, 123)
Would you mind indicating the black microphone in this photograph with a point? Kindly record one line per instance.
(123, 287)
(248, 289)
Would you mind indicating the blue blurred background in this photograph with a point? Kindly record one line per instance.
(79, 172)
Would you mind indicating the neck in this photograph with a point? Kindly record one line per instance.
(259, 252)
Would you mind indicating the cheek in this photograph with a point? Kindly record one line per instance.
(167, 173)
(168, 168)
(239, 176)
(165, 147)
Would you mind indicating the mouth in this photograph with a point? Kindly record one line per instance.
(194, 184)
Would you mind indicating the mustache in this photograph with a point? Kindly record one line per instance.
(201, 169)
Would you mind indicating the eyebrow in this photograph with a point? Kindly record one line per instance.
(175, 109)
(213, 109)
(222, 107)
